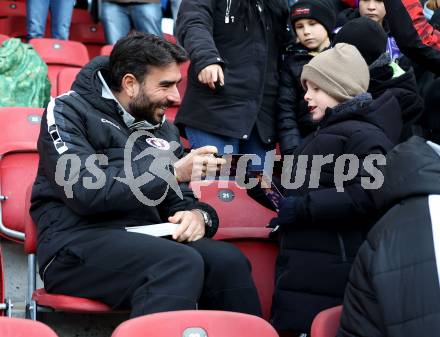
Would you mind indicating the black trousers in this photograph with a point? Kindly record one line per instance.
(149, 274)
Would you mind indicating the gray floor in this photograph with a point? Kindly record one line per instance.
(64, 324)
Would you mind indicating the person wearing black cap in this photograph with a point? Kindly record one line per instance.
(385, 74)
(313, 22)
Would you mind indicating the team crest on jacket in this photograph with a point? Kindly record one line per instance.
(158, 143)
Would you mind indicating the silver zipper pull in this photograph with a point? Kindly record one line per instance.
(232, 19)
(226, 18)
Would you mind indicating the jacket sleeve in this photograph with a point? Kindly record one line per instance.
(173, 203)
(65, 157)
(354, 202)
(361, 316)
(195, 33)
(288, 132)
(415, 37)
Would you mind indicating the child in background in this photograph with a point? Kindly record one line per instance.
(384, 73)
(374, 10)
(313, 22)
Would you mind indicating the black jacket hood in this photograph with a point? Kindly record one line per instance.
(383, 112)
(89, 86)
(412, 169)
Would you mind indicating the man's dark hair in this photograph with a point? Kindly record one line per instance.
(137, 52)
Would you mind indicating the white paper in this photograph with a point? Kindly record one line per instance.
(161, 229)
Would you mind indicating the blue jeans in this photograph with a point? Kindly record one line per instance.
(118, 19)
(198, 138)
(61, 16)
(175, 4)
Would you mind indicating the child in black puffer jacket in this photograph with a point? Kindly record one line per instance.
(313, 22)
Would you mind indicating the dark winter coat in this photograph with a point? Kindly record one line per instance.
(293, 120)
(393, 288)
(83, 123)
(249, 54)
(415, 36)
(317, 250)
(403, 87)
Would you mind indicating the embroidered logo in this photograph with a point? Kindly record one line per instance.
(301, 11)
(109, 122)
(158, 143)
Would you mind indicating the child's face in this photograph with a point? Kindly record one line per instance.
(318, 101)
(311, 34)
(374, 9)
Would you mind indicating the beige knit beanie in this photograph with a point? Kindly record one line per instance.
(340, 71)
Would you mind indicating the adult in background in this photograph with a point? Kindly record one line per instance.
(234, 47)
(61, 17)
(83, 247)
(119, 17)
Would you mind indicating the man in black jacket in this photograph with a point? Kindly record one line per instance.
(88, 189)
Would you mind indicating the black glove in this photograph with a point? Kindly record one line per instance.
(288, 213)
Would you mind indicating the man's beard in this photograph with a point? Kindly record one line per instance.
(142, 108)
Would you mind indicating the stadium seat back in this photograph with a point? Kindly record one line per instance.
(106, 50)
(3, 38)
(198, 323)
(66, 77)
(13, 18)
(326, 323)
(80, 15)
(262, 255)
(18, 327)
(58, 55)
(18, 165)
(60, 52)
(40, 297)
(232, 203)
(17, 171)
(91, 34)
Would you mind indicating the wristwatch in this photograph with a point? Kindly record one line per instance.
(205, 215)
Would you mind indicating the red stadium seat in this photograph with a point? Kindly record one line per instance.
(326, 323)
(90, 34)
(60, 54)
(3, 38)
(40, 298)
(18, 327)
(81, 16)
(243, 223)
(18, 166)
(65, 79)
(13, 18)
(234, 207)
(196, 323)
(106, 50)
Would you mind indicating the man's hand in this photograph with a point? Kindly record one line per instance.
(191, 226)
(198, 163)
(210, 75)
